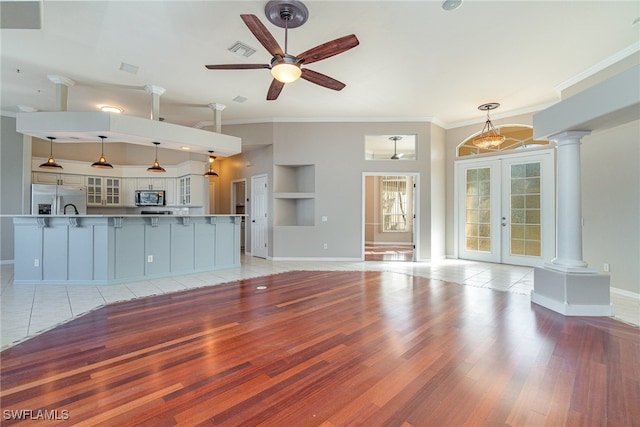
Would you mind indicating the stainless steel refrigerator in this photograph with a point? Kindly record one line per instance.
(58, 200)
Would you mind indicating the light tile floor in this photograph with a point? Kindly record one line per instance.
(27, 310)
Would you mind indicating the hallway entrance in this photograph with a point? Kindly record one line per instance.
(389, 217)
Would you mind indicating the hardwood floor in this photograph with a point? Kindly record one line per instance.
(331, 349)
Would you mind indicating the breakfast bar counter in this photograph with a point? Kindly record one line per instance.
(111, 249)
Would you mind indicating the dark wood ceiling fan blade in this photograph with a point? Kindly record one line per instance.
(329, 49)
(274, 90)
(237, 66)
(262, 34)
(321, 79)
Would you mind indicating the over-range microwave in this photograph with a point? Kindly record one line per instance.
(150, 198)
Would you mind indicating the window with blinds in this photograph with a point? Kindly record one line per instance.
(394, 203)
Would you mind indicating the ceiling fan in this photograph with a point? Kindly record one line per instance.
(286, 68)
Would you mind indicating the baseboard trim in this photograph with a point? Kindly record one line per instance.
(625, 293)
(571, 309)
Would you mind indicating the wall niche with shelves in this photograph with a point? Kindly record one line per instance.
(294, 195)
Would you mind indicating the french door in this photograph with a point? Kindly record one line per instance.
(506, 208)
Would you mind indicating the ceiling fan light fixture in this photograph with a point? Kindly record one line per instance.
(489, 137)
(102, 162)
(51, 162)
(285, 69)
(156, 166)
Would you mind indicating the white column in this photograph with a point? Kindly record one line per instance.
(156, 92)
(217, 116)
(62, 89)
(569, 205)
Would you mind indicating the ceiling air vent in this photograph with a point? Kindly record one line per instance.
(242, 49)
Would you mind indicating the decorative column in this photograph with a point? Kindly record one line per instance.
(217, 116)
(569, 204)
(62, 90)
(566, 285)
(155, 92)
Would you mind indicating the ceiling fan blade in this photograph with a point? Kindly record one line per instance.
(329, 49)
(237, 66)
(274, 90)
(262, 34)
(321, 79)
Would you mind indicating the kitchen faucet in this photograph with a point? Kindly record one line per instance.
(64, 210)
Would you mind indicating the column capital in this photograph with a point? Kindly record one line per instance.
(217, 107)
(569, 136)
(154, 90)
(61, 80)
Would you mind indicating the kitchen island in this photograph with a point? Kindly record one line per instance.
(112, 249)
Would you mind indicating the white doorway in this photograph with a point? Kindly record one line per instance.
(259, 216)
(389, 217)
(505, 208)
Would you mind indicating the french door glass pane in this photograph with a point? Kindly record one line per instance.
(478, 218)
(525, 210)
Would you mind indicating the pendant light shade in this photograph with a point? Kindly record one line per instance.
(490, 137)
(51, 163)
(210, 172)
(102, 162)
(156, 166)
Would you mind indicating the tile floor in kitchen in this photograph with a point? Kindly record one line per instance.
(28, 310)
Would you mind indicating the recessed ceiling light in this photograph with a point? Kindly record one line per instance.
(184, 147)
(111, 109)
(451, 4)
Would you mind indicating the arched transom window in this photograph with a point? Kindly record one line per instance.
(517, 137)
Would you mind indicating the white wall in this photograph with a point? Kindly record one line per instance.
(611, 203)
(11, 193)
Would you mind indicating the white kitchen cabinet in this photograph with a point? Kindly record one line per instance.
(57, 178)
(103, 191)
(190, 190)
(151, 184)
(129, 187)
(171, 192)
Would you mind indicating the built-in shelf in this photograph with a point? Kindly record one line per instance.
(294, 195)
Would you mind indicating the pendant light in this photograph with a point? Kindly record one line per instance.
(490, 137)
(210, 172)
(102, 162)
(156, 166)
(395, 140)
(51, 163)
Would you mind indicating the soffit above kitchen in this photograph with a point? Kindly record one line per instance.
(86, 126)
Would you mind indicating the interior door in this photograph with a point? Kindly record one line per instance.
(259, 217)
(506, 208)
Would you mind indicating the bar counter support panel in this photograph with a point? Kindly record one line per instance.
(103, 250)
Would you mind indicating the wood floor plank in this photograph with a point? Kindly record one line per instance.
(328, 348)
